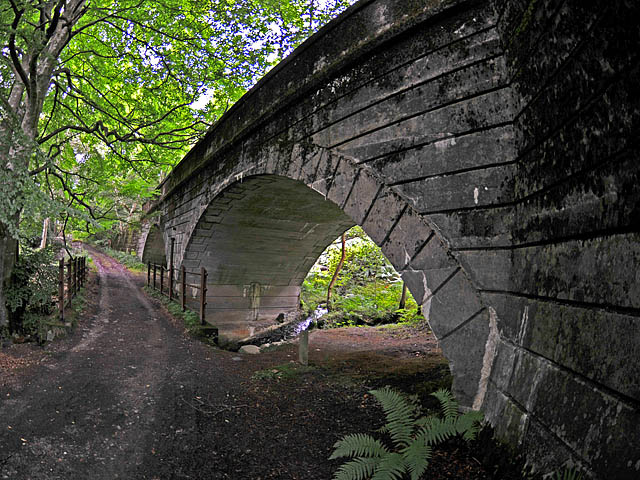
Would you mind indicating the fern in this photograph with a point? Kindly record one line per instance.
(448, 405)
(412, 438)
(569, 474)
(357, 469)
(399, 412)
(358, 445)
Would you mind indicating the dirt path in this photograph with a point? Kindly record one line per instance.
(130, 396)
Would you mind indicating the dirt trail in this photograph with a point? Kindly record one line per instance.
(130, 396)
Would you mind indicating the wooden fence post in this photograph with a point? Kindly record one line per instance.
(75, 276)
(69, 286)
(148, 273)
(183, 290)
(161, 279)
(61, 287)
(154, 276)
(203, 293)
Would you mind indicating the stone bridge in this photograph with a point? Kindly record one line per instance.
(490, 148)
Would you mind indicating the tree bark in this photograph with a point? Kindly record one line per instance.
(335, 274)
(45, 232)
(403, 297)
(8, 252)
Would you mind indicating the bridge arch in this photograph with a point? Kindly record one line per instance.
(152, 245)
(259, 235)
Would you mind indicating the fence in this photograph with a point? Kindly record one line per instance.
(176, 285)
(76, 278)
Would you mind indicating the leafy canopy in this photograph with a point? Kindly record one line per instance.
(100, 94)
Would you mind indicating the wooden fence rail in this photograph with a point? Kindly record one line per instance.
(177, 277)
(76, 278)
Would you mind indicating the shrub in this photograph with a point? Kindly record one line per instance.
(34, 283)
(412, 437)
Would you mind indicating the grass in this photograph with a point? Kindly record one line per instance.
(130, 261)
(190, 319)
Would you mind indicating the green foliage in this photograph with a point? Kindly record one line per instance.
(368, 288)
(128, 260)
(569, 473)
(412, 437)
(33, 285)
(117, 92)
(190, 319)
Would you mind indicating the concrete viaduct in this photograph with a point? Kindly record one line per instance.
(490, 147)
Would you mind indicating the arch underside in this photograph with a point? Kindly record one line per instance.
(257, 241)
(154, 247)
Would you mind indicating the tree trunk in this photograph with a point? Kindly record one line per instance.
(335, 274)
(403, 297)
(45, 231)
(8, 252)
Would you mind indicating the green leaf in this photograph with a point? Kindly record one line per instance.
(358, 445)
(356, 469)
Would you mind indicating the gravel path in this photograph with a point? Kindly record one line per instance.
(130, 396)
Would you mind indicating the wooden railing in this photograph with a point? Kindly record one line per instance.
(175, 287)
(71, 281)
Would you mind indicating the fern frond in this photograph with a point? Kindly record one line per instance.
(356, 469)
(399, 412)
(416, 457)
(448, 405)
(391, 467)
(468, 424)
(437, 430)
(358, 445)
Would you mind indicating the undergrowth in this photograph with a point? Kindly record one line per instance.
(190, 319)
(412, 438)
(367, 291)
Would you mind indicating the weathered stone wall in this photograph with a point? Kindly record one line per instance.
(127, 241)
(568, 305)
(487, 148)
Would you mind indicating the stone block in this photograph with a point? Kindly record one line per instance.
(601, 270)
(488, 269)
(342, 182)
(590, 421)
(470, 150)
(362, 196)
(477, 188)
(455, 302)
(409, 234)
(464, 349)
(310, 159)
(422, 283)
(386, 209)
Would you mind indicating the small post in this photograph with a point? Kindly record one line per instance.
(303, 348)
(183, 290)
(162, 279)
(154, 276)
(203, 293)
(75, 276)
(148, 273)
(173, 244)
(61, 287)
